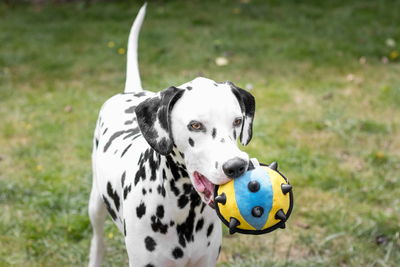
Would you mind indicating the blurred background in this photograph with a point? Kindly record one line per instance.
(326, 77)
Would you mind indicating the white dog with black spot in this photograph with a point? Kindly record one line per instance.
(156, 159)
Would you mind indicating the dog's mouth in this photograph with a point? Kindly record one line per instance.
(204, 187)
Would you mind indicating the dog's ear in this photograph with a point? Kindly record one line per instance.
(248, 106)
(153, 117)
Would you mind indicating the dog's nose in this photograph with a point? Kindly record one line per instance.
(235, 167)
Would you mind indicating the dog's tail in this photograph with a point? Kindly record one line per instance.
(133, 83)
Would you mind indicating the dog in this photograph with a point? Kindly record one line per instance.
(156, 158)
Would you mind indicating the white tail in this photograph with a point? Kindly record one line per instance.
(133, 82)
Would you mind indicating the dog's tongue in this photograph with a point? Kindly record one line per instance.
(202, 184)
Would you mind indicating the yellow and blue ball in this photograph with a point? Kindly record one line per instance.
(258, 202)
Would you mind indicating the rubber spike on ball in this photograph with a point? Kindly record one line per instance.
(274, 165)
(221, 199)
(286, 188)
(280, 215)
(233, 223)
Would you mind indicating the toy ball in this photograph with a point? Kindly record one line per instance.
(257, 202)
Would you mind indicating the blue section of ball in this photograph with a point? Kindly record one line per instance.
(247, 200)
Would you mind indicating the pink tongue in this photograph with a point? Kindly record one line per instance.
(202, 183)
(199, 185)
(208, 185)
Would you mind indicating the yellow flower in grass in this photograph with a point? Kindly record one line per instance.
(393, 55)
(121, 51)
(39, 167)
(379, 155)
(110, 235)
(111, 44)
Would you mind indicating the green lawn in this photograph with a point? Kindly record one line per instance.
(326, 77)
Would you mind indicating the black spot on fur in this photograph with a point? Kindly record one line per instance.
(123, 179)
(199, 224)
(149, 265)
(126, 149)
(128, 122)
(177, 253)
(182, 155)
(185, 229)
(183, 201)
(109, 209)
(173, 167)
(183, 172)
(97, 143)
(173, 187)
(158, 226)
(189, 88)
(127, 190)
(210, 229)
(130, 109)
(105, 130)
(187, 188)
(191, 142)
(144, 191)
(215, 84)
(140, 210)
(134, 131)
(160, 211)
(150, 243)
(216, 164)
(113, 195)
(214, 133)
(171, 223)
(140, 94)
(124, 228)
(141, 173)
(161, 190)
(222, 140)
(208, 244)
(153, 164)
(115, 135)
(234, 135)
(128, 100)
(202, 207)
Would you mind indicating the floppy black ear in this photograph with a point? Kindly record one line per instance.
(248, 106)
(153, 116)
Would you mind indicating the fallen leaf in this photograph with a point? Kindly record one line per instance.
(221, 61)
(390, 42)
(68, 108)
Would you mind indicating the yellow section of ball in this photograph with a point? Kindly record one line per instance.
(280, 201)
(230, 209)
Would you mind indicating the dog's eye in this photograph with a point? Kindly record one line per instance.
(196, 126)
(237, 122)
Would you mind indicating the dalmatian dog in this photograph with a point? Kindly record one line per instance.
(156, 158)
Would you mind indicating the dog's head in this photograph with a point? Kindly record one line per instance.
(204, 120)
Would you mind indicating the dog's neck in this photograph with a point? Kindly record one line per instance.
(169, 176)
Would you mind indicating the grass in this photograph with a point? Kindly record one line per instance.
(327, 85)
